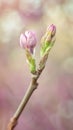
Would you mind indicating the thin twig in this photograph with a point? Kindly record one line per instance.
(33, 85)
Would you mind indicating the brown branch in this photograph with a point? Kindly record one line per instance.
(33, 85)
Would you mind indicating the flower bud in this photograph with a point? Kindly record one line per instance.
(47, 43)
(28, 41)
(52, 29)
(48, 40)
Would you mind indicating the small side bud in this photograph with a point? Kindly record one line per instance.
(46, 44)
(52, 30)
(47, 40)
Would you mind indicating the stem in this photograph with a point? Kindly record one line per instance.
(25, 99)
(33, 85)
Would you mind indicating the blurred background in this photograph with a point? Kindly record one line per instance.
(51, 105)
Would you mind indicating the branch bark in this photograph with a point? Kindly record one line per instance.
(33, 85)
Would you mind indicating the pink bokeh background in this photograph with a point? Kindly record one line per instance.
(51, 105)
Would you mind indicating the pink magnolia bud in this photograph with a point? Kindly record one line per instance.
(28, 40)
